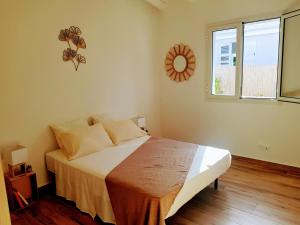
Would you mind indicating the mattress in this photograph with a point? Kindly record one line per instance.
(83, 180)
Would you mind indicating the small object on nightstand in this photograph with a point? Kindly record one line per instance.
(16, 157)
(140, 121)
(17, 170)
(29, 169)
(147, 131)
(21, 191)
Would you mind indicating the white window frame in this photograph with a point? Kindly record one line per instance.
(278, 65)
(211, 30)
(279, 97)
(239, 25)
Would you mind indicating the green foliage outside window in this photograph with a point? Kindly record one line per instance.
(218, 88)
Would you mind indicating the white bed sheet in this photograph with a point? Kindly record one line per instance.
(83, 180)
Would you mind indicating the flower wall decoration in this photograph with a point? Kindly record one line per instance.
(72, 35)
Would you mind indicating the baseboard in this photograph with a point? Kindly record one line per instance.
(289, 170)
(47, 189)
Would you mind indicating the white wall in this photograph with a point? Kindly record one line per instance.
(240, 126)
(37, 88)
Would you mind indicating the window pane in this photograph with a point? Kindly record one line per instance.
(225, 49)
(224, 62)
(260, 58)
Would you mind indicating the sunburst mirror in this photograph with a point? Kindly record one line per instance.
(180, 62)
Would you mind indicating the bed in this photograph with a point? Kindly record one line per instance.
(83, 180)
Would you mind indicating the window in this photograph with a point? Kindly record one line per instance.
(224, 68)
(260, 59)
(289, 82)
(245, 59)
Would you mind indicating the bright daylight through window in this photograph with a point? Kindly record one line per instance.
(224, 62)
(259, 62)
(260, 59)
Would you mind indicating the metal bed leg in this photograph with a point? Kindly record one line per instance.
(216, 184)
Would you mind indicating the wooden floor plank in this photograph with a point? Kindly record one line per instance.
(252, 192)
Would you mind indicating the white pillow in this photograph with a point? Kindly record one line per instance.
(123, 130)
(64, 127)
(101, 118)
(81, 141)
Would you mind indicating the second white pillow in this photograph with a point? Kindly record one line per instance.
(123, 130)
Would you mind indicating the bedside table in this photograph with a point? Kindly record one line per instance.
(26, 185)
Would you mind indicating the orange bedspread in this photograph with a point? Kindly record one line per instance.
(143, 187)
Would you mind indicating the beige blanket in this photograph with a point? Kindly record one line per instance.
(143, 187)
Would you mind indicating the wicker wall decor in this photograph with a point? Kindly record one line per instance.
(180, 62)
(72, 35)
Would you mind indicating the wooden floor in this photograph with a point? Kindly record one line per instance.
(250, 193)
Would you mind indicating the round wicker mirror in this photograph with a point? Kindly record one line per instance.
(180, 62)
